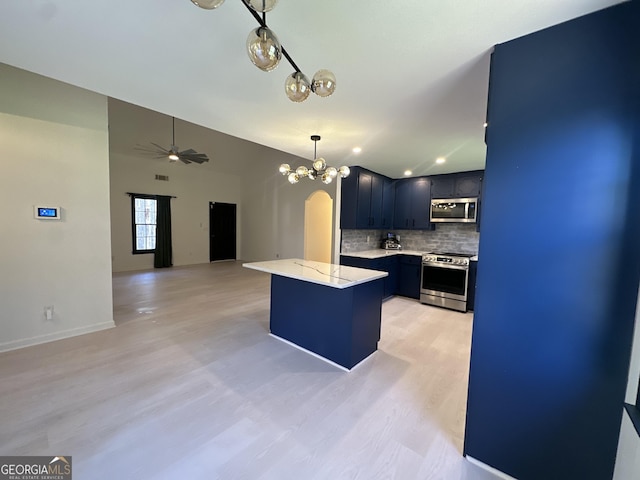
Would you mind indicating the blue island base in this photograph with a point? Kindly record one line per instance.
(339, 324)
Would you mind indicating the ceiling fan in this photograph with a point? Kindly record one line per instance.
(173, 153)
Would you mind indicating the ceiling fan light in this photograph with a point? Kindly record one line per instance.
(261, 5)
(264, 49)
(297, 87)
(208, 4)
(173, 157)
(323, 83)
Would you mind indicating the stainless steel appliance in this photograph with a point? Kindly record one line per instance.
(391, 242)
(445, 279)
(459, 210)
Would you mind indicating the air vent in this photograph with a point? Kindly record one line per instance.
(164, 178)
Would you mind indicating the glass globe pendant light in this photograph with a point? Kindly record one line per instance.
(265, 52)
(320, 169)
(293, 178)
(285, 169)
(261, 5)
(297, 87)
(319, 164)
(208, 4)
(264, 48)
(323, 83)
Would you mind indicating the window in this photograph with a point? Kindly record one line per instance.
(143, 219)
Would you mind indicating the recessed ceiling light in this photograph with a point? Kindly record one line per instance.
(485, 125)
(407, 173)
(357, 149)
(441, 160)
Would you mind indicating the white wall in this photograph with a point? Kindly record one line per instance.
(270, 215)
(273, 219)
(194, 186)
(54, 143)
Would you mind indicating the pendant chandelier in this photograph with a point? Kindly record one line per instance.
(265, 51)
(319, 169)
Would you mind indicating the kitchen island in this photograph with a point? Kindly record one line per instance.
(331, 311)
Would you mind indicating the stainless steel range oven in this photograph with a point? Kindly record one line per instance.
(445, 279)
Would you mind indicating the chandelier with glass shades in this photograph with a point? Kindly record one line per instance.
(265, 51)
(319, 169)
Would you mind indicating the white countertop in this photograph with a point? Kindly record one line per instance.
(328, 274)
(380, 252)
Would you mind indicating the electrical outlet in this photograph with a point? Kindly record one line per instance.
(48, 313)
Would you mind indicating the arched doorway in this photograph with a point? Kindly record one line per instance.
(318, 219)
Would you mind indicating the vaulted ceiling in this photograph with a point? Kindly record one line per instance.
(412, 76)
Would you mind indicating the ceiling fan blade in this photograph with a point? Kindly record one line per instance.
(196, 158)
(191, 151)
(161, 148)
(196, 155)
(151, 152)
(185, 161)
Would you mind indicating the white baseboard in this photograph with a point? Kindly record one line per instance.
(50, 337)
(492, 470)
(320, 356)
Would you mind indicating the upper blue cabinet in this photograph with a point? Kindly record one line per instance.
(412, 204)
(373, 201)
(367, 200)
(457, 185)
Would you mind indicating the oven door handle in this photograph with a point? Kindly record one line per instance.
(448, 265)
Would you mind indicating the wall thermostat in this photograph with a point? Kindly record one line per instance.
(46, 213)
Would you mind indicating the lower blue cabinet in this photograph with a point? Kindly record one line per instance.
(403, 270)
(409, 276)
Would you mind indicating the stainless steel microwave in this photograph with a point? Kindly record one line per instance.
(454, 210)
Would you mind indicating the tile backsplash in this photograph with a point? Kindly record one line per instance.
(447, 237)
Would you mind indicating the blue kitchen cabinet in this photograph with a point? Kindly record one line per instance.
(387, 264)
(369, 205)
(356, 262)
(349, 200)
(363, 202)
(468, 184)
(457, 185)
(390, 265)
(388, 198)
(409, 276)
(412, 204)
(402, 207)
(443, 186)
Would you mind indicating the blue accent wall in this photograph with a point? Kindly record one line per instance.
(559, 250)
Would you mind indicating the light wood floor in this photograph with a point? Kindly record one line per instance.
(190, 385)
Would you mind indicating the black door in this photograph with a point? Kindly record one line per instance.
(222, 231)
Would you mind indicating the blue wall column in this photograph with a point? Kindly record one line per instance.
(559, 250)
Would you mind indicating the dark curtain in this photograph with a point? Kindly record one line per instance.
(164, 253)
